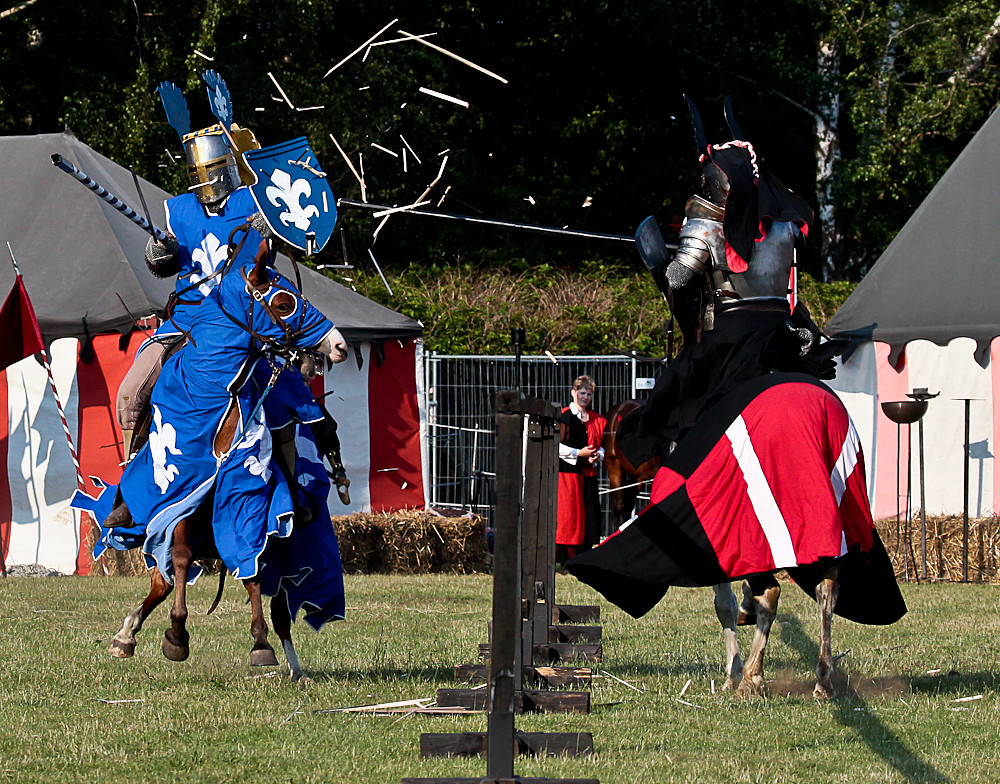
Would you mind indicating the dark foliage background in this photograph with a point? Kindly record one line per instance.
(592, 113)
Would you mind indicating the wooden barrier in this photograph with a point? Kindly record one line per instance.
(522, 630)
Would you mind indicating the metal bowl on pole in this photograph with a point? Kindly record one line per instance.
(906, 412)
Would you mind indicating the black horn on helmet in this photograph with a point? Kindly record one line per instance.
(699, 129)
(734, 126)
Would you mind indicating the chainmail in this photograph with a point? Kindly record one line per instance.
(161, 256)
(260, 225)
(679, 275)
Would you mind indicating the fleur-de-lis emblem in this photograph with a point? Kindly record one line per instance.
(208, 256)
(285, 190)
(220, 102)
(257, 433)
(162, 439)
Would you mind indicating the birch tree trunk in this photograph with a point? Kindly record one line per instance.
(826, 121)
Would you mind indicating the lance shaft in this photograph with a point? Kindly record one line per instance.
(525, 227)
(109, 197)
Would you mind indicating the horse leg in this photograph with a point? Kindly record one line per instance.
(765, 590)
(725, 609)
(262, 654)
(827, 591)
(123, 644)
(616, 478)
(747, 615)
(281, 619)
(175, 639)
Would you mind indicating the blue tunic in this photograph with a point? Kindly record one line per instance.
(177, 469)
(203, 241)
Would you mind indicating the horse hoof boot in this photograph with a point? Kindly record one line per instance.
(263, 657)
(175, 650)
(121, 650)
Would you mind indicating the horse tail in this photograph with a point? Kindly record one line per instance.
(218, 594)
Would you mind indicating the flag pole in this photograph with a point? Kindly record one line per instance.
(55, 391)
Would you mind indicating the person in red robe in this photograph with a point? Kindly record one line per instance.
(578, 526)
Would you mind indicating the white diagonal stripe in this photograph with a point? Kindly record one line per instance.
(761, 497)
(846, 462)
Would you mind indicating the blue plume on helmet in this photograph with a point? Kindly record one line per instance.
(175, 105)
(219, 98)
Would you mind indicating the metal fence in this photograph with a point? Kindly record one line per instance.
(461, 404)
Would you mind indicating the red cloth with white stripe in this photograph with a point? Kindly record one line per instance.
(771, 493)
(772, 478)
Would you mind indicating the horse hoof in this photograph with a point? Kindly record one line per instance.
(175, 650)
(731, 684)
(263, 657)
(751, 687)
(121, 650)
(821, 692)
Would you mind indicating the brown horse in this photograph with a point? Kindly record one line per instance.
(623, 477)
(193, 542)
(192, 537)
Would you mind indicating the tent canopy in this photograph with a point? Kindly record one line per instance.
(78, 254)
(939, 278)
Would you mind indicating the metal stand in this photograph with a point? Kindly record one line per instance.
(906, 412)
(966, 459)
(921, 395)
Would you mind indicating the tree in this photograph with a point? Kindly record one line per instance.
(918, 80)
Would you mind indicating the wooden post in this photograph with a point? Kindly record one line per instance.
(523, 562)
(506, 582)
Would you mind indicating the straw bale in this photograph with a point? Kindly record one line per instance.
(411, 542)
(944, 547)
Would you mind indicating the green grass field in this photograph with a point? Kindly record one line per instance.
(900, 716)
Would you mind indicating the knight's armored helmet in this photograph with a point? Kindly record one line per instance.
(215, 165)
(211, 165)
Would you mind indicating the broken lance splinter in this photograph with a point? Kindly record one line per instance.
(109, 197)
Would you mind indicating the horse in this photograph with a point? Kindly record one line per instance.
(738, 497)
(623, 478)
(193, 542)
(218, 426)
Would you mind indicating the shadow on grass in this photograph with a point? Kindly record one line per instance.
(429, 674)
(851, 710)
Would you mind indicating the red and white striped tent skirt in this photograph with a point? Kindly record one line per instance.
(377, 407)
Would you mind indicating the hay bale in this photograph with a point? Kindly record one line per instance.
(411, 542)
(362, 546)
(944, 547)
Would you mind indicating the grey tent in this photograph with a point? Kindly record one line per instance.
(78, 254)
(925, 317)
(940, 276)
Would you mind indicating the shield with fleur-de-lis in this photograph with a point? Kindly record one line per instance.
(293, 194)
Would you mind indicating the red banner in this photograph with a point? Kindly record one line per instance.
(22, 336)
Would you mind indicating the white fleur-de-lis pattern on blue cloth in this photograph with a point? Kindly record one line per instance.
(285, 190)
(162, 439)
(258, 432)
(207, 256)
(310, 461)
